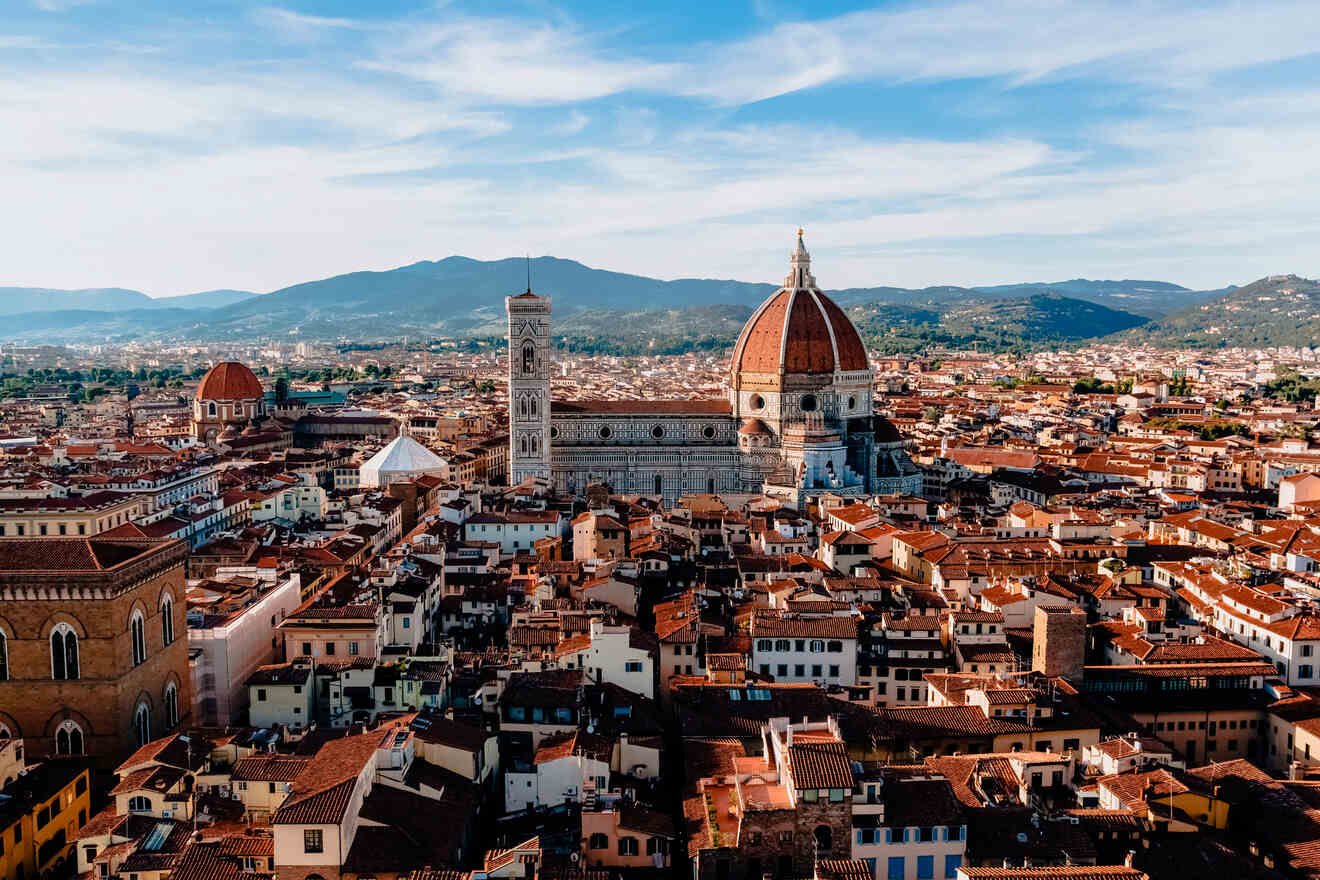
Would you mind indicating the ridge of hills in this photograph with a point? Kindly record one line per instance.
(461, 296)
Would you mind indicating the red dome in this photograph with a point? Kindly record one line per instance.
(799, 331)
(229, 381)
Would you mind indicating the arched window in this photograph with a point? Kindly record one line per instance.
(69, 738)
(659, 484)
(522, 444)
(171, 706)
(210, 409)
(167, 619)
(142, 724)
(522, 407)
(137, 629)
(529, 358)
(63, 653)
(824, 839)
(536, 444)
(531, 406)
(4, 658)
(139, 804)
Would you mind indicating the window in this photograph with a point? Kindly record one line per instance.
(406, 622)
(808, 403)
(782, 645)
(1304, 670)
(951, 866)
(167, 620)
(63, 653)
(627, 846)
(69, 739)
(142, 724)
(307, 649)
(599, 841)
(925, 867)
(815, 670)
(834, 647)
(781, 670)
(764, 645)
(139, 804)
(817, 646)
(799, 670)
(517, 713)
(834, 670)
(896, 868)
(312, 842)
(353, 648)
(4, 658)
(261, 695)
(171, 706)
(824, 839)
(632, 666)
(329, 649)
(137, 629)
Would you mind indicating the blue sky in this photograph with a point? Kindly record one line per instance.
(175, 146)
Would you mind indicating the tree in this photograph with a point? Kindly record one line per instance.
(281, 389)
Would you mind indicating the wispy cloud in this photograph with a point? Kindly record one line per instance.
(273, 146)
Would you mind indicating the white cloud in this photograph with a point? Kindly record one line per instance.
(59, 5)
(513, 62)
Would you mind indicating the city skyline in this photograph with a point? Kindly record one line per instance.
(252, 145)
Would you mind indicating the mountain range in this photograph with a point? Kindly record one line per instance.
(459, 296)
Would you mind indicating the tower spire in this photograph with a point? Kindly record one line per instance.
(799, 273)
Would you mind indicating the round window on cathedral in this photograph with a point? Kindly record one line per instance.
(708, 432)
(808, 403)
(657, 432)
(605, 432)
(758, 402)
(554, 433)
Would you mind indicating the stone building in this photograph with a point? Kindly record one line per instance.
(797, 421)
(93, 644)
(229, 395)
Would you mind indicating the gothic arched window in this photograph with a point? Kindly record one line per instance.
(167, 619)
(63, 653)
(142, 724)
(69, 738)
(137, 629)
(528, 358)
(171, 706)
(210, 409)
(531, 406)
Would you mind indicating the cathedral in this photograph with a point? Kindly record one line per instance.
(797, 421)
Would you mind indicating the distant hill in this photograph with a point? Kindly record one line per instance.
(990, 322)
(14, 300)
(18, 300)
(459, 296)
(1275, 311)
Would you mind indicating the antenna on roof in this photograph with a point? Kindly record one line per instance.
(529, 273)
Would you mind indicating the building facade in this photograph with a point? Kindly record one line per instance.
(797, 421)
(94, 637)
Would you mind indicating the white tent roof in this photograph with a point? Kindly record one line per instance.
(404, 456)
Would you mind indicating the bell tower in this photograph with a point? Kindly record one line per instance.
(529, 386)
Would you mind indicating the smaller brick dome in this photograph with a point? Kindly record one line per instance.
(229, 380)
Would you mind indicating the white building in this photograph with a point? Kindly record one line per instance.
(514, 531)
(618, 656)
(402, 460)
(566, 766)
(228, 647)
(822, 650)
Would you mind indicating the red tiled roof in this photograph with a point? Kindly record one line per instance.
(229, 380)
(799, 331)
